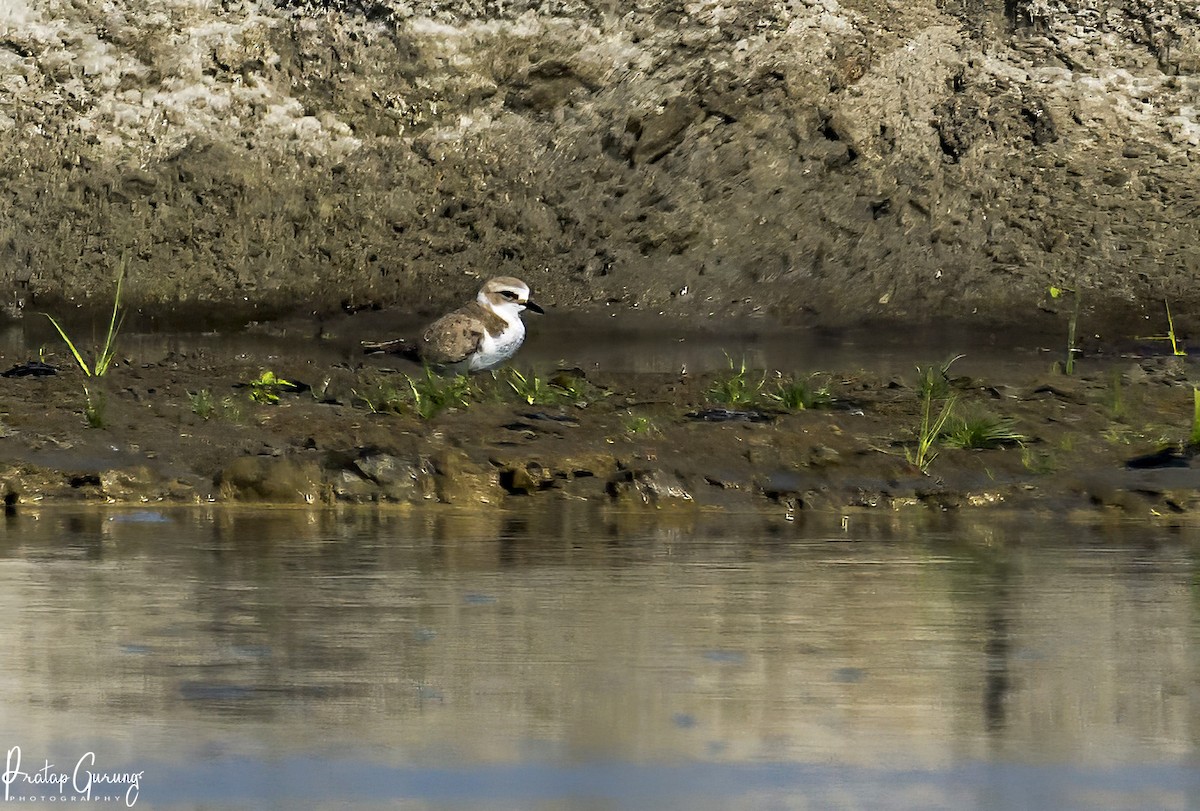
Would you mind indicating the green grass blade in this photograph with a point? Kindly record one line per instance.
(1195, 438)
(109, 353)
(87, 370)
(1176, 350)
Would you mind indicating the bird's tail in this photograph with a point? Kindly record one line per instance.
(397, 346)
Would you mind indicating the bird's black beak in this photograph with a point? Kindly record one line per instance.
(532, 305)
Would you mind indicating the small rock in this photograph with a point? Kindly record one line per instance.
(278, 480)
(349, 486)
(729, 415)
(33, 368)
(822, 456)
(1166, 457)
(136, 484)
(648, 487)
(381, 468)
(524, 479)
(459, 480)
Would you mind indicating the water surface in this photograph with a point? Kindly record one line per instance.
(621, 344)
(571, 658)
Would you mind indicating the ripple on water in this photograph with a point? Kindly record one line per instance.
(372, 658)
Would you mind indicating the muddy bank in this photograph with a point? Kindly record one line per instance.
(816, 161)
(179, 420)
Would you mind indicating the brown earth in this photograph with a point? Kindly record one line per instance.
(808, 160)
(629, 439)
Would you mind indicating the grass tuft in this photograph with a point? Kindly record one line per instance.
(1039, 462)
(426, 395)
(981, 432)
(640, 425)
(95, 408)
(933, 382)
(534, 390)
(379, 396)
(432, 394)
(102, 358)
(930, 429)
(737, 388)
(1072, 326)
(268, 386)
(577, 389)
(801, 395)
(1194, 438)
(937, 405)
(204, 405)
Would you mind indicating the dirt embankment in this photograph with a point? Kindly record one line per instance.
(805, 160)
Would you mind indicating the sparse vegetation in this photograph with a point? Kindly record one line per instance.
(1177, 348)
(102, 358)
(206, 406)
(268, 386)
(379, 396)
(737, 388)
(937, 405)
(933, 382)
(928, 432)
(1072, 324)
(95, 407)
(231, 409)
(801, 395)
(981, 432)
(640, 425)
(203, 403)
(1117, 407)
(1194, 437)
(1117, 434)
(532, 389)
(426, 395)
(94, 402)
(1039, 462)
(577, 389)
(432, 394)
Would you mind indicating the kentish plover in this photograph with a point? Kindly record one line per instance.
(476, 336)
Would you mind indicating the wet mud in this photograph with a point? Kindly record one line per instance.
(179, 419)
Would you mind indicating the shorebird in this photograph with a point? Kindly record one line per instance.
(477, 336)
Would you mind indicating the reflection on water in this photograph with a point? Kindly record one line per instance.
(574, 659)
(630, 343)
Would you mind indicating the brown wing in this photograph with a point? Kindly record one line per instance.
(451, 339)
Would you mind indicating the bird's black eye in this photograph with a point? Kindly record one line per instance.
(510, 295)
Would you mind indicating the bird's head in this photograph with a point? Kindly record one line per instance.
(507, 293)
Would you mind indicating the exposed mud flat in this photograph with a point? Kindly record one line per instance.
(809, 161)
(643, 432)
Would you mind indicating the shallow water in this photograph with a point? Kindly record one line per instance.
(621, 344)
(580, 659)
